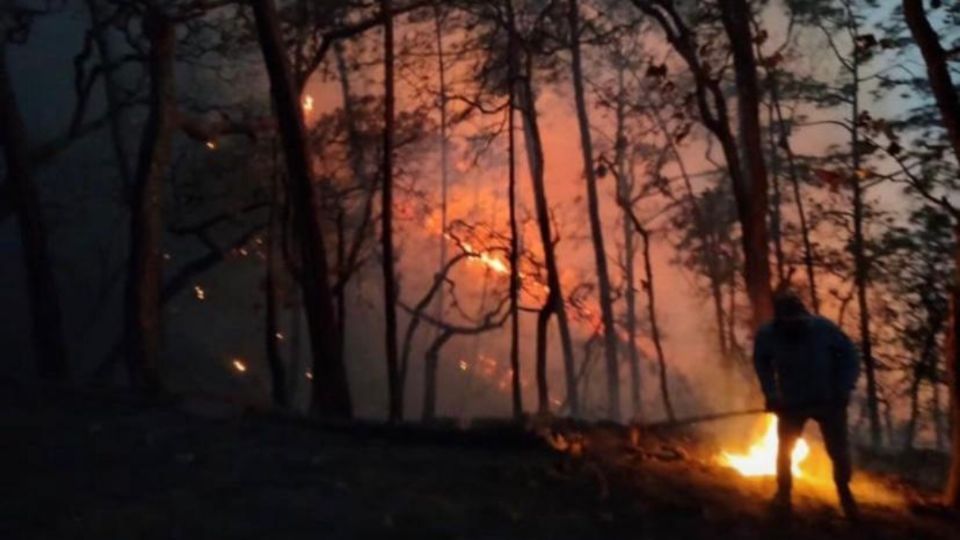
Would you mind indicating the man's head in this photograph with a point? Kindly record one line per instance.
(787, 305)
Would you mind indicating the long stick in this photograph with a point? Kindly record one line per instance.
(699, 419)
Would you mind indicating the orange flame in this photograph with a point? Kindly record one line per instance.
(761, 458)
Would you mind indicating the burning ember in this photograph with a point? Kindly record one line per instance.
(307, 103)
(239, 365)
(211, 145)
(761, 458)
(199, 293)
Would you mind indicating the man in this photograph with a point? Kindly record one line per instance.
(807, 369)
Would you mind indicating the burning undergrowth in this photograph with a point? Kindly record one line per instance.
(741, 462)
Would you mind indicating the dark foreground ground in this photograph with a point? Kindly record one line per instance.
(92, 466)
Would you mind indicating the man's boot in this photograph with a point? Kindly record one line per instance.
(849, 505)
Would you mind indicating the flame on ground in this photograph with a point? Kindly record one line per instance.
(761, 458)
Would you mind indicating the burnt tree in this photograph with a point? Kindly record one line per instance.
(143, 296)
(331, 395)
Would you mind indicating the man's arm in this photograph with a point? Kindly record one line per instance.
(763, 364)
(847, 359)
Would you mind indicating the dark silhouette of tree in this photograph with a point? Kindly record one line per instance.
(331, 396)
(47, 324)
(948, 103)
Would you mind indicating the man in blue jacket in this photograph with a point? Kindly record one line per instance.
(807, 369)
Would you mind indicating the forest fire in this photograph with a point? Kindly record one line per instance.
(761, 458)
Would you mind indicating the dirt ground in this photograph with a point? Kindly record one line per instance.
(92, 466)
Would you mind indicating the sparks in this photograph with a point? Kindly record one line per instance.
(239, 365)
(211, 145)
(761, 458)
(199, 293)
(463, 365)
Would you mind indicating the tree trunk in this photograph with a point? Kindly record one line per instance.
(948, 102)
(47, 324)
(146, 236)
(625, 188)
(444, 149)
(652, 313)
(331, 395)
(751, 188)
(952, 492)
(596, 225)
(862, 265)
(910, 430)
(273, 292)
(515, 386)
(776, 228)
(710, 244)
(554, 303)
(431, 364)
(543, 390)
(386, 222)
(784, 142)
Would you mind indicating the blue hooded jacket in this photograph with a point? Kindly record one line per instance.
(808, 362)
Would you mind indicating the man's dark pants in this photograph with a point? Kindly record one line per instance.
(833, 426)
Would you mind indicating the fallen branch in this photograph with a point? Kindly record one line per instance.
(668, 424)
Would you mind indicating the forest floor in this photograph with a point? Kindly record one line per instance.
(97, 466)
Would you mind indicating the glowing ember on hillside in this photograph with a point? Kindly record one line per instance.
(211, 145)
(761, 458)
(199, 293)
(239, 365)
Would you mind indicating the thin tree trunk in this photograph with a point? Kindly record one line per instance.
(554, 303)
(709, 242)
(862, 267)
(936, 406)
(444, 149)
(910, 430)
(431, 364)
(629, 250)
(784, 135)
(273, 291)
(596, 225)
(146, 237)
(386, 221)
(515, 386)
(47, 324)
(948, 102)
(776, 228)
(331, 395)
(952, 358)
(543, 390)
(648, 288)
